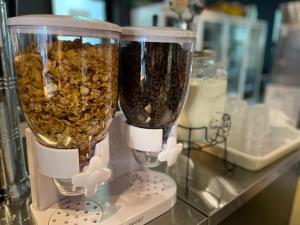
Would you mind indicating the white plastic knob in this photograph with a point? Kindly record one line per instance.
(92, 176)
(96, 171)
(170, 152)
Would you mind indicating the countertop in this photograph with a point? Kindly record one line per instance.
(213, 195)
(181, 214)
(216, 192)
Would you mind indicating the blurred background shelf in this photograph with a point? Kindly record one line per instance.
(238, 42)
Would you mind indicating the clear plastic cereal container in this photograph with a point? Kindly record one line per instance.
(155, 65)
(67, 78)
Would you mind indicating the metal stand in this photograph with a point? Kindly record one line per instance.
(222, 132)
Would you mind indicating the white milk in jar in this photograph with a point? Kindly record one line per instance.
(205, 103)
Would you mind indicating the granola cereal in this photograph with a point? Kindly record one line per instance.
(68, 92)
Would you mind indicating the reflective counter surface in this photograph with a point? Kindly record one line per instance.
(216, 192)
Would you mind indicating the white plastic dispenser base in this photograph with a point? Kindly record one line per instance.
(63, 165)
(151, 141)
(136, 198)
(132, 196)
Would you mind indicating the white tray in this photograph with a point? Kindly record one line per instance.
(254, 163)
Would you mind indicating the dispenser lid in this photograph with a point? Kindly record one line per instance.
(63, 21)
(164, 34)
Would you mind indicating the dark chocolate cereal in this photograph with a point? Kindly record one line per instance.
(154, 82)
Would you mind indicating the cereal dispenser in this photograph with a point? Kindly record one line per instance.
(155, 68)
(81, 165)
(67, 80)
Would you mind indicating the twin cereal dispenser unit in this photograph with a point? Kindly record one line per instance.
(88, 166)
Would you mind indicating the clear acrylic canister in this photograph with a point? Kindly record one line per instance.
(155, 67)
(67, 79)
(205, 103)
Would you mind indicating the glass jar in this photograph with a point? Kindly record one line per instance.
(155, 69)
(67, 80)
(205, 103)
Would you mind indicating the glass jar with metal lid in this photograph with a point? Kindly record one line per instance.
(205, 103)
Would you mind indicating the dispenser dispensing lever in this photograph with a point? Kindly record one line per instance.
(170, 152)
(96, 171)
